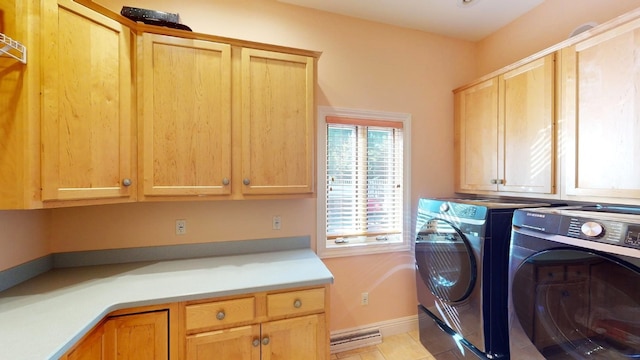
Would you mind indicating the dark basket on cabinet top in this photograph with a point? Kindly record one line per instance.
(153, 17)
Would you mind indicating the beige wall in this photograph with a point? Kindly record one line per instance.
(364, 66)
(23, 236)
(546, 25)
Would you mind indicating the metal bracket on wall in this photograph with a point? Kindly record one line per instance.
(12, 48)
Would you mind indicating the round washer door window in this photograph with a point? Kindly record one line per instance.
(575, 304)
(445, 261)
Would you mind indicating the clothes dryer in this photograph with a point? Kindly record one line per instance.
(461, 253)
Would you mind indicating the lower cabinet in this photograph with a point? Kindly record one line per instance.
(264, 326)
(280, 325)
(234, 343)
(137, 336)
(296, 338)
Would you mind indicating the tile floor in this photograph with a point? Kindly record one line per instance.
(405, 346)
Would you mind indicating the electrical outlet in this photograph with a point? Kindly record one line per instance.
(365, 298)
(181, 227)
(277, 223)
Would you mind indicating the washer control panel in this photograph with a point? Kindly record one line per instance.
(610, 232)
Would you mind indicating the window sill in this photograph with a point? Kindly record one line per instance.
(346, 250)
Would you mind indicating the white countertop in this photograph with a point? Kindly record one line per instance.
(43, 317)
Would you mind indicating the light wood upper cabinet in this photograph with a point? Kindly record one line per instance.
(185, 117)
(197, 117)
(476, 123)
(87, 142)
(224, 121)
(278, 119)
(505, 132)
(20, 108)
(601, 111)
(527, 130)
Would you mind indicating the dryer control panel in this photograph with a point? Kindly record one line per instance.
(614, 229)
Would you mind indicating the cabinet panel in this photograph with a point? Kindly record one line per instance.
(220, 313)
(91, 348)
(295, 338)
(278, 121)
(505, 132)
(527, 128)
(186, 116)
(135, 336)
(87, 87)
(477, 136)
(235, 343)
(138, 337)
(602, 122)
(295, 302)
(20, 108)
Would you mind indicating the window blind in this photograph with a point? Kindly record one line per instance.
(364, 178)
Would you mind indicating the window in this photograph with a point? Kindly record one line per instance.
(363, 189)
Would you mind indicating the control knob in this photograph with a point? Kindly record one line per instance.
(592, 229)
(444, 207)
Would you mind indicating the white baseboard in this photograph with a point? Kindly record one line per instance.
(386, 328)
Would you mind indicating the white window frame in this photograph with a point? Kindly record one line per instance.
(366, 248)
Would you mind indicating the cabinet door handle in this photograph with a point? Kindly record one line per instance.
(500, 181)
(265, 340)
(246, 181)
(297, 304)
(255, 343)
(494, 181)
(225, 181)
(126, 182)
(220, 315)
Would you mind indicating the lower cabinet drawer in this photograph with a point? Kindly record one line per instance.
(295, 302)
(220, 313)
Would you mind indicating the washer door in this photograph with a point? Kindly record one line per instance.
(577, 304)
(445, 261)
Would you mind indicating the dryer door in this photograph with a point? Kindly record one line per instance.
(445, 261)
(575, 303)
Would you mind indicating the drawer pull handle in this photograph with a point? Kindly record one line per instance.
(255, 343)
(265, 341)
(220, 315)
(297, 304)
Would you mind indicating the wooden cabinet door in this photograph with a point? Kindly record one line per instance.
(91, 348)
(526, 151)
(296, 338)
(87, 105)
(476, 122)
(601, 102)
(185, 126)
(240, 343)
(20, 108)
(137, 337)
(278, 120)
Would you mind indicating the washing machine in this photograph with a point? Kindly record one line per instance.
(574, 283)
(461, 252)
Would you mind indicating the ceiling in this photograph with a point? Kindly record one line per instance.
(470, 20)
